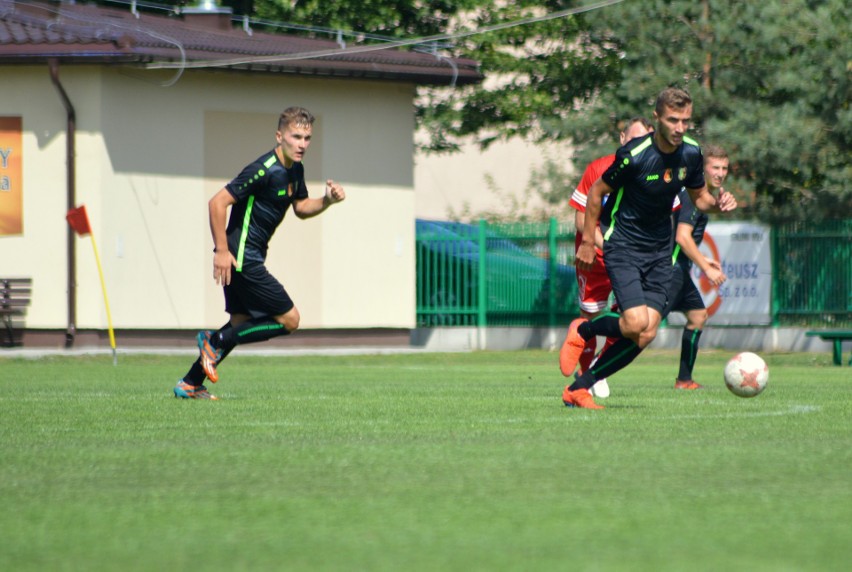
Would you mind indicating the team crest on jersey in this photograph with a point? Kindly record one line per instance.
(681, 174)
(667, 176)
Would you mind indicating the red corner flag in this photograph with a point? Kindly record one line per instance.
(79, 221)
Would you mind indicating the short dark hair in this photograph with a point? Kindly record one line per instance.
(295, 116)
(673, 97)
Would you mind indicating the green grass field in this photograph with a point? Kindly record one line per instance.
(421, 462)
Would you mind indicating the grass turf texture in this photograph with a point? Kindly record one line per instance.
(421, 462)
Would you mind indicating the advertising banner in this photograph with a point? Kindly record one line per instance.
(11, 176)
(743, 248)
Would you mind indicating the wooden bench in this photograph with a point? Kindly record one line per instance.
(837, 337)
(15, 296)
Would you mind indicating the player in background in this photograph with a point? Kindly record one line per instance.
(593, 285)
(258, 199)
(684, 297)
(647, 174)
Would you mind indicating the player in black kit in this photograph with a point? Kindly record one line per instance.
(684, 297)
(646, 176)
(259, 197)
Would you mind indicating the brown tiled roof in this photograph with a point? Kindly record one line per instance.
(34, 32)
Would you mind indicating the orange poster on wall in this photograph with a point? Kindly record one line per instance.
(11, 176)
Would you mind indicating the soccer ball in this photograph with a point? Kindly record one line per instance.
(746, 374)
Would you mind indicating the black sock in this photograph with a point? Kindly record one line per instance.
(584, 381)
(613, 359)
(195, 376)
(249, 332)
(605, 325)
(688, 353)
(221, 337)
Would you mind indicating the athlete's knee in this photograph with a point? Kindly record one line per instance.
(649, 331)
(290, 320)
(695, 319)
(646, 337)
(632, 324)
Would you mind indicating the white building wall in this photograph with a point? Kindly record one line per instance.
(450, 184)
(148, 159)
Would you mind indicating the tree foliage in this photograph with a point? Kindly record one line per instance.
(771, 83)
(390, 18)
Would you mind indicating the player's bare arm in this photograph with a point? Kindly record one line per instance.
(307, 208)
(711, 268)
(222, 258)
(580, 222)
(704, 200)
(586, 253)
(599, 238)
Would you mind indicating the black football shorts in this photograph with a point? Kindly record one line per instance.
(683, 295)
(638, 278)
(256, 292)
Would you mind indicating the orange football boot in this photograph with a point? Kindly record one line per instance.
(572, 348)
(210, 356)
(579, 398)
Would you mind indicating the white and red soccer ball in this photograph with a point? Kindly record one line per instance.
(746, 374)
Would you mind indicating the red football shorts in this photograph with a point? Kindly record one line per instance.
(593, 288)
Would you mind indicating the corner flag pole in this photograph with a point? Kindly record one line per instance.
(106, 300)
(79, 221)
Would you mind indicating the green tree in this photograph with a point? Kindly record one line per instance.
(537, 76)
(388, 18)
(771, 81)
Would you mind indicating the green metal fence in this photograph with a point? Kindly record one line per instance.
(812, 274)
(526, 275)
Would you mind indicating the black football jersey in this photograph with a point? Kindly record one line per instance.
(645, 182)
(264, 190)
(689, 214)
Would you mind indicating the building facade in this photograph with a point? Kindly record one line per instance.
(144, 148)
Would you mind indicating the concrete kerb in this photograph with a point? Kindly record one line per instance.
(467, 339)
(756, 339)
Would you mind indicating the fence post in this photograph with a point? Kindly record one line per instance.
(482, 267)
(774, 256)
(551, 268)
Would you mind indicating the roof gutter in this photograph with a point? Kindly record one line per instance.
(71, 193)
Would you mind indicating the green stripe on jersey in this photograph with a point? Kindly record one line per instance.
(641, 147)
(244, 234)
(675, 253)
(271, 161)
(614, 210)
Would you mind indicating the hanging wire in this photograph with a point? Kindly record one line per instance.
(227, 62)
